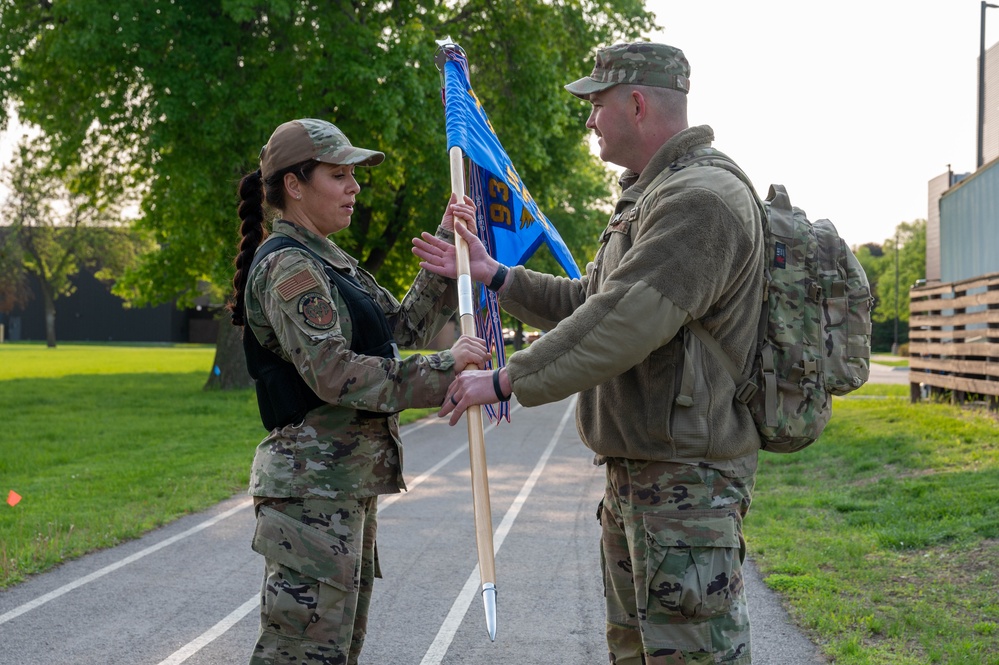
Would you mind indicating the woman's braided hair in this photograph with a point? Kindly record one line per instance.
(253, 192)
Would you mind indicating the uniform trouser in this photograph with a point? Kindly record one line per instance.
(672, 553)
(320, 565)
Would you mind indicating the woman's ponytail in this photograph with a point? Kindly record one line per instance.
(251, 212)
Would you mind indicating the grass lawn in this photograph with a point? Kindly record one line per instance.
(882, 537)
(105, 442)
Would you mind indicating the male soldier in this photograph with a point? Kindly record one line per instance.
(655, 406)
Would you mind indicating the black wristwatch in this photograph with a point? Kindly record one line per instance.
(498, 278)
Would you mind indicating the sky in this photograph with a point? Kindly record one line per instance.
(852, 105)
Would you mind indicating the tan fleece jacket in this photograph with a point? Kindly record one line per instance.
(693, 250)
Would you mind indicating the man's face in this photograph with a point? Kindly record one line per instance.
(612, 119)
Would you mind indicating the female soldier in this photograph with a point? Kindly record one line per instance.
(320, 338)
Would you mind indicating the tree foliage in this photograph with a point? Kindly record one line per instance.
(183, 93)
(909, 247)
(61, 218)
(878, 261)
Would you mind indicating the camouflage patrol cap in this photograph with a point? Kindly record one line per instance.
(638, 63)
(307, 138)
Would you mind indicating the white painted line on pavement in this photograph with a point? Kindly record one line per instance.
(51, 595)
(209, 635)
(435, 654)
(387, 500)
(236, 616)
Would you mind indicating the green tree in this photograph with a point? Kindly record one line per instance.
(194, 88)
(908, 245)
(61, 218)
(870, 257)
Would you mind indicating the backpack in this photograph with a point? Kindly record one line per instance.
(814, 336)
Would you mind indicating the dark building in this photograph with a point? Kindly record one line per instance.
(93, 314)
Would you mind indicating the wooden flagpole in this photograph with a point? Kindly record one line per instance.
(476, 437)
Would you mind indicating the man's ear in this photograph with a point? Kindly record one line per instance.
(638, 104)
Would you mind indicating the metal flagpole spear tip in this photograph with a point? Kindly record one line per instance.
(443, 46)
(489, 602)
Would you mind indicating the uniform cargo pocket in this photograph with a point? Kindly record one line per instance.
(307, 550)
(693, 564)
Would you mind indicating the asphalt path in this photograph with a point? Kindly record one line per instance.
(887, 374)
(188, 593)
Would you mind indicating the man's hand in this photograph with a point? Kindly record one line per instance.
(474, 387)
(438, 256)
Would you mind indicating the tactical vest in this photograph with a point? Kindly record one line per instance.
(283, 396)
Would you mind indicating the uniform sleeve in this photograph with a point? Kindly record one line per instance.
(298, 315)
(542, 300)
(426, 307)
(596, 344)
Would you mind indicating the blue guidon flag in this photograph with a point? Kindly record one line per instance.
(510, 224)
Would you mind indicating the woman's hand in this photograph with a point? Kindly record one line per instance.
(438, 256)
(468, 351)
(463, 211)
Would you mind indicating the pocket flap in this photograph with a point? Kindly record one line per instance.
(694, 528)
(307, 550)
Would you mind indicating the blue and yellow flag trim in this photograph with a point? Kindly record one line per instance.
(510, 224)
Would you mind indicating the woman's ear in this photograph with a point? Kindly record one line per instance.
(292, 186)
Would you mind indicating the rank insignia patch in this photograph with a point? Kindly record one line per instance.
(317, 310)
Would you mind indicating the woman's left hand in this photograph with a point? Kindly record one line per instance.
(463, 211)
(469, 353)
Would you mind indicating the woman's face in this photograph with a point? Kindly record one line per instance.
(327, 200)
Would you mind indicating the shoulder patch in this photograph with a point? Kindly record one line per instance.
(317, 310)
(301, 281)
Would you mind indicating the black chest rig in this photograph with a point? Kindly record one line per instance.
(283, 396)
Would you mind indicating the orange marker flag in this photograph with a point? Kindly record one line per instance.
(13, 498)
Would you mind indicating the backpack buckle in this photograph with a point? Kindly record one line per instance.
(745, 392)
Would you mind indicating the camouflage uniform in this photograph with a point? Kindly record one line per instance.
(317, 481)
(671, 551)
(654, 405)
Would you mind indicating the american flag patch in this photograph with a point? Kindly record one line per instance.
(780, 255)
(303, 280)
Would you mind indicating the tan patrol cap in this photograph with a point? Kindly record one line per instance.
(307, 138)
(638, 63)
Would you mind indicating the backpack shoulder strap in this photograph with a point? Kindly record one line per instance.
(712, 157)
(707, 156)
(712, 345)
(745, 387)
(697, 156)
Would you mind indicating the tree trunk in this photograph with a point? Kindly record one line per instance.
(518, 335)
(229, 368)
(50, 318)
